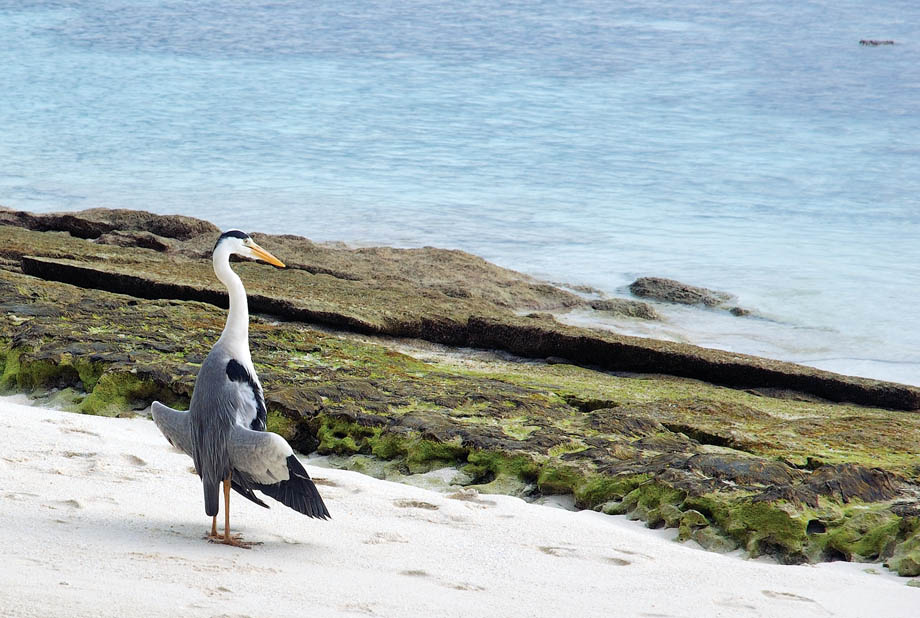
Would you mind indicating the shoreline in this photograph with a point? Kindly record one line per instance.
(114, 490)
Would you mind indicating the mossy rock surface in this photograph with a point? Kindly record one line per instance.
(795, 477)
(447, 297)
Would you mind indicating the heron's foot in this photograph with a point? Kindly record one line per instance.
(236, 540)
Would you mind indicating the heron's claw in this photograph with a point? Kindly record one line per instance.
(236, 540)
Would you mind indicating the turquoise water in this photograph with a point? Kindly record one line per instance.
(749, 146)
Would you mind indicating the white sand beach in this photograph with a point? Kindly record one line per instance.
(101, 517)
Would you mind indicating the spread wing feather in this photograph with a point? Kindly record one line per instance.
(269, 464)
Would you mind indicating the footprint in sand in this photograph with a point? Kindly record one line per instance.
(471, 495)
(786, 596)
(358, 608)
(20, 496)
(736, 603)
(618, 561)
(631, 553)
(465, 586)
(795, 598)
(220, 591)
(81, 454)
(80, 430)
(134, 460)
(562, 552)
(72, 503)
(415, 504)
(386, 537)
(287, 540)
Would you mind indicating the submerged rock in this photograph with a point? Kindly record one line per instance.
(671, 291)
(626, 308)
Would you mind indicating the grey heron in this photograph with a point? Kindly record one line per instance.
(224, 428)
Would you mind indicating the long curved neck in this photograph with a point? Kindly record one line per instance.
(236, 331)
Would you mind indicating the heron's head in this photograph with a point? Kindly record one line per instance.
(239, 243)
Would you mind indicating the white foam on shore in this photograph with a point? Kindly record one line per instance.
(101, 517)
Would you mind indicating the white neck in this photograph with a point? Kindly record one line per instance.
(236, 331)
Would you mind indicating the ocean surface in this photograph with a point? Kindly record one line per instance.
(752, 147)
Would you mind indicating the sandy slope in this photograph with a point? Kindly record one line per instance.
(99, 517)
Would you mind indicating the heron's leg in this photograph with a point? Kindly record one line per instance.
(227, 510)
(229, 539)
(214, 537)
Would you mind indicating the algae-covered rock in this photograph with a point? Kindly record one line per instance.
(862, 535)
(690, 521)
(906, 558)
(711, 540)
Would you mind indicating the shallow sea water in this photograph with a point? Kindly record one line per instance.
(753, 147)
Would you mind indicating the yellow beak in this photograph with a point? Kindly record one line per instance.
(264, 255)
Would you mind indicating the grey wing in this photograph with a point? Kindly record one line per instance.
(174, 425)
(265, 461)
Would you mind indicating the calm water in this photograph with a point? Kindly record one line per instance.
(749, 146)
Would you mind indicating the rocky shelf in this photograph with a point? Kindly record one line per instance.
(104, 311)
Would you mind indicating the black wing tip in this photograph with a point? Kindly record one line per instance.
(298, 492)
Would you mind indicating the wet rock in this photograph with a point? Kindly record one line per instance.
(669, 290)
(622, 307)
(851, 481)
(95, 222)
(143, 240)
(744, 469)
